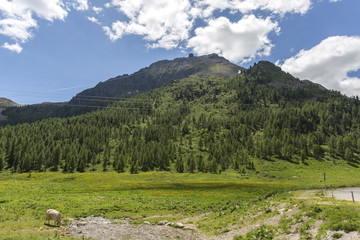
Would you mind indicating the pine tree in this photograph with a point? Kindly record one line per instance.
(191, 164)
(349, 155)
(11, 156)
(56, 158)
(72, 163)
(1, 163)
(201, 164)
(121, 164)
(179, 165)
(134, 168)
(106, 161)
(81, 165)
(26, 164)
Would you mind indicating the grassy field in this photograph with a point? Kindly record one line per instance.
(24, 199)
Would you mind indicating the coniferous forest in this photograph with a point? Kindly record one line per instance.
(200, 123)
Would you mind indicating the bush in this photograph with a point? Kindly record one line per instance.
(337, 235)
(263, 233)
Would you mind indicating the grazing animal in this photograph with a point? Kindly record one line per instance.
(52, 214)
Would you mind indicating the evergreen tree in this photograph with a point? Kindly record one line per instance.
(1, 163)
(72, 163)
(349, 155)
(192, 164)
(26, 164)
(134, 167)
(11, 156)
(179, 166)
(56, 158)
(201, 164)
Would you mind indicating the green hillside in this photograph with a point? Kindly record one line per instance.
(202, 123)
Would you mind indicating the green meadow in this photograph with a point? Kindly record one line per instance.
(225, 197)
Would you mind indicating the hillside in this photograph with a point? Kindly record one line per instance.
(202, 123)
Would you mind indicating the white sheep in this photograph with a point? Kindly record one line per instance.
(52, 214)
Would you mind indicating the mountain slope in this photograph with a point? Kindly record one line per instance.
(202, 123)
(156, 75)
(4, 103)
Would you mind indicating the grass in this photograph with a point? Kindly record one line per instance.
(226, 197)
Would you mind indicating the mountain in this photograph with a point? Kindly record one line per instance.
(221, 117)
(4, 103)
(156, 75)
(165, 73)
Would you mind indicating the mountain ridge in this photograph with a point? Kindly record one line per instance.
(156, 75)
(5, 102)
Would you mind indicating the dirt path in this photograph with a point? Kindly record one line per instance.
(345, 193)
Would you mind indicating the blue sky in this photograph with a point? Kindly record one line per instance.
(52, 49)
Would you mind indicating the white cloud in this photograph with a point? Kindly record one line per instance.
(329, 64)
(17, 16)
(12, 47)
(163, 23)
(334, 0)
(241, 41)
(169, 24)
(247, 6)
(97, 10)
(18, 28)
(81, 5)
(94, 20)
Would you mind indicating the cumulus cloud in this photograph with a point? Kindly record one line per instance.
(329, 64)
(170, 24)
(163, 23)
(94, 20)
(247, 6)
(17, 18)
(241, 41)
(12, 47)
(97, 10)
(81, 5)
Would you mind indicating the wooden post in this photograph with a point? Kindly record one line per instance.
(325, 184)
(352, 195)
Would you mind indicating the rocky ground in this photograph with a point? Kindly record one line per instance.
(103, 229)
